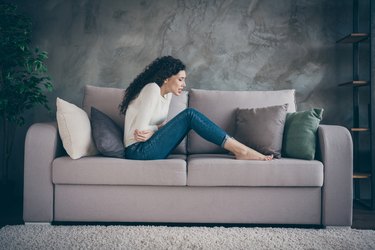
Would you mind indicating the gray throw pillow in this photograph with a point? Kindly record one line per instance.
(262, 128)
(107, 135)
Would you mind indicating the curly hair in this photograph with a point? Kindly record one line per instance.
(158, 71)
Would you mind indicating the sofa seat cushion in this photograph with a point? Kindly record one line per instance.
(225, 170)
(113, 171)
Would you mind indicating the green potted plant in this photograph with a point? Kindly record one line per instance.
(23, 78)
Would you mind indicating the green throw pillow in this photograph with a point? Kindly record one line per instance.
(299, 140)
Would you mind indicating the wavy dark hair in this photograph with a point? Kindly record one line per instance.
(158, 71)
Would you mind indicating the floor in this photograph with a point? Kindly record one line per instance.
(11, 214)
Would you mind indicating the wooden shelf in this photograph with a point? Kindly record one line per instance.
(359, 175)
(359, 129)
(356, 83)
(353, 38)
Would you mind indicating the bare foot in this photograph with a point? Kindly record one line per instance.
(251, 154)
(242, 152)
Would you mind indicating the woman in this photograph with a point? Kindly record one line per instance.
(146, 104)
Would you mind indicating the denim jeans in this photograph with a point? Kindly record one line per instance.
(167, 138)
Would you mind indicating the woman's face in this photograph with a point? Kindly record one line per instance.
(176, 83)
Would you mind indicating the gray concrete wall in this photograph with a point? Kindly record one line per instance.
(227, 45)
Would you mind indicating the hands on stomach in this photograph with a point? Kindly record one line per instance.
(142, 135)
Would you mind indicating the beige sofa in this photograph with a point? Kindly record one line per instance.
(199, 183)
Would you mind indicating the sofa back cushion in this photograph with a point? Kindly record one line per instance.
(108, 99)
(220, 107)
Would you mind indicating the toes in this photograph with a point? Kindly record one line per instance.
(268, 157)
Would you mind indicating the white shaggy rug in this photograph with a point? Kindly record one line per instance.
(163, 237)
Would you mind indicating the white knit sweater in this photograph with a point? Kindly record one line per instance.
(146, 111)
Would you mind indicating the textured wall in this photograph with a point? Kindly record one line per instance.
(227, 45)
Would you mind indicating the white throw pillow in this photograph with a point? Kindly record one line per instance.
(75, 130)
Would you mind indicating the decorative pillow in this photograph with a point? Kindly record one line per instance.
(107, 135)
(300, 134)
(262, 128)
(75, 130)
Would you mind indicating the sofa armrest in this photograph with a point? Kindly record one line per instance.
(336, 151)
(42, 146)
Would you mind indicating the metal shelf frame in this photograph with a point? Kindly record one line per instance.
(356, 38)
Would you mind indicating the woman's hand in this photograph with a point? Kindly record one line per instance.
(142, 135)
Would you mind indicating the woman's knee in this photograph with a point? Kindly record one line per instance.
(191, 111)
(190, 114)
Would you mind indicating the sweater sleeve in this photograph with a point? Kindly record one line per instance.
(148, 101)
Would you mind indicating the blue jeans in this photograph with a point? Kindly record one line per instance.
(167, 138)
